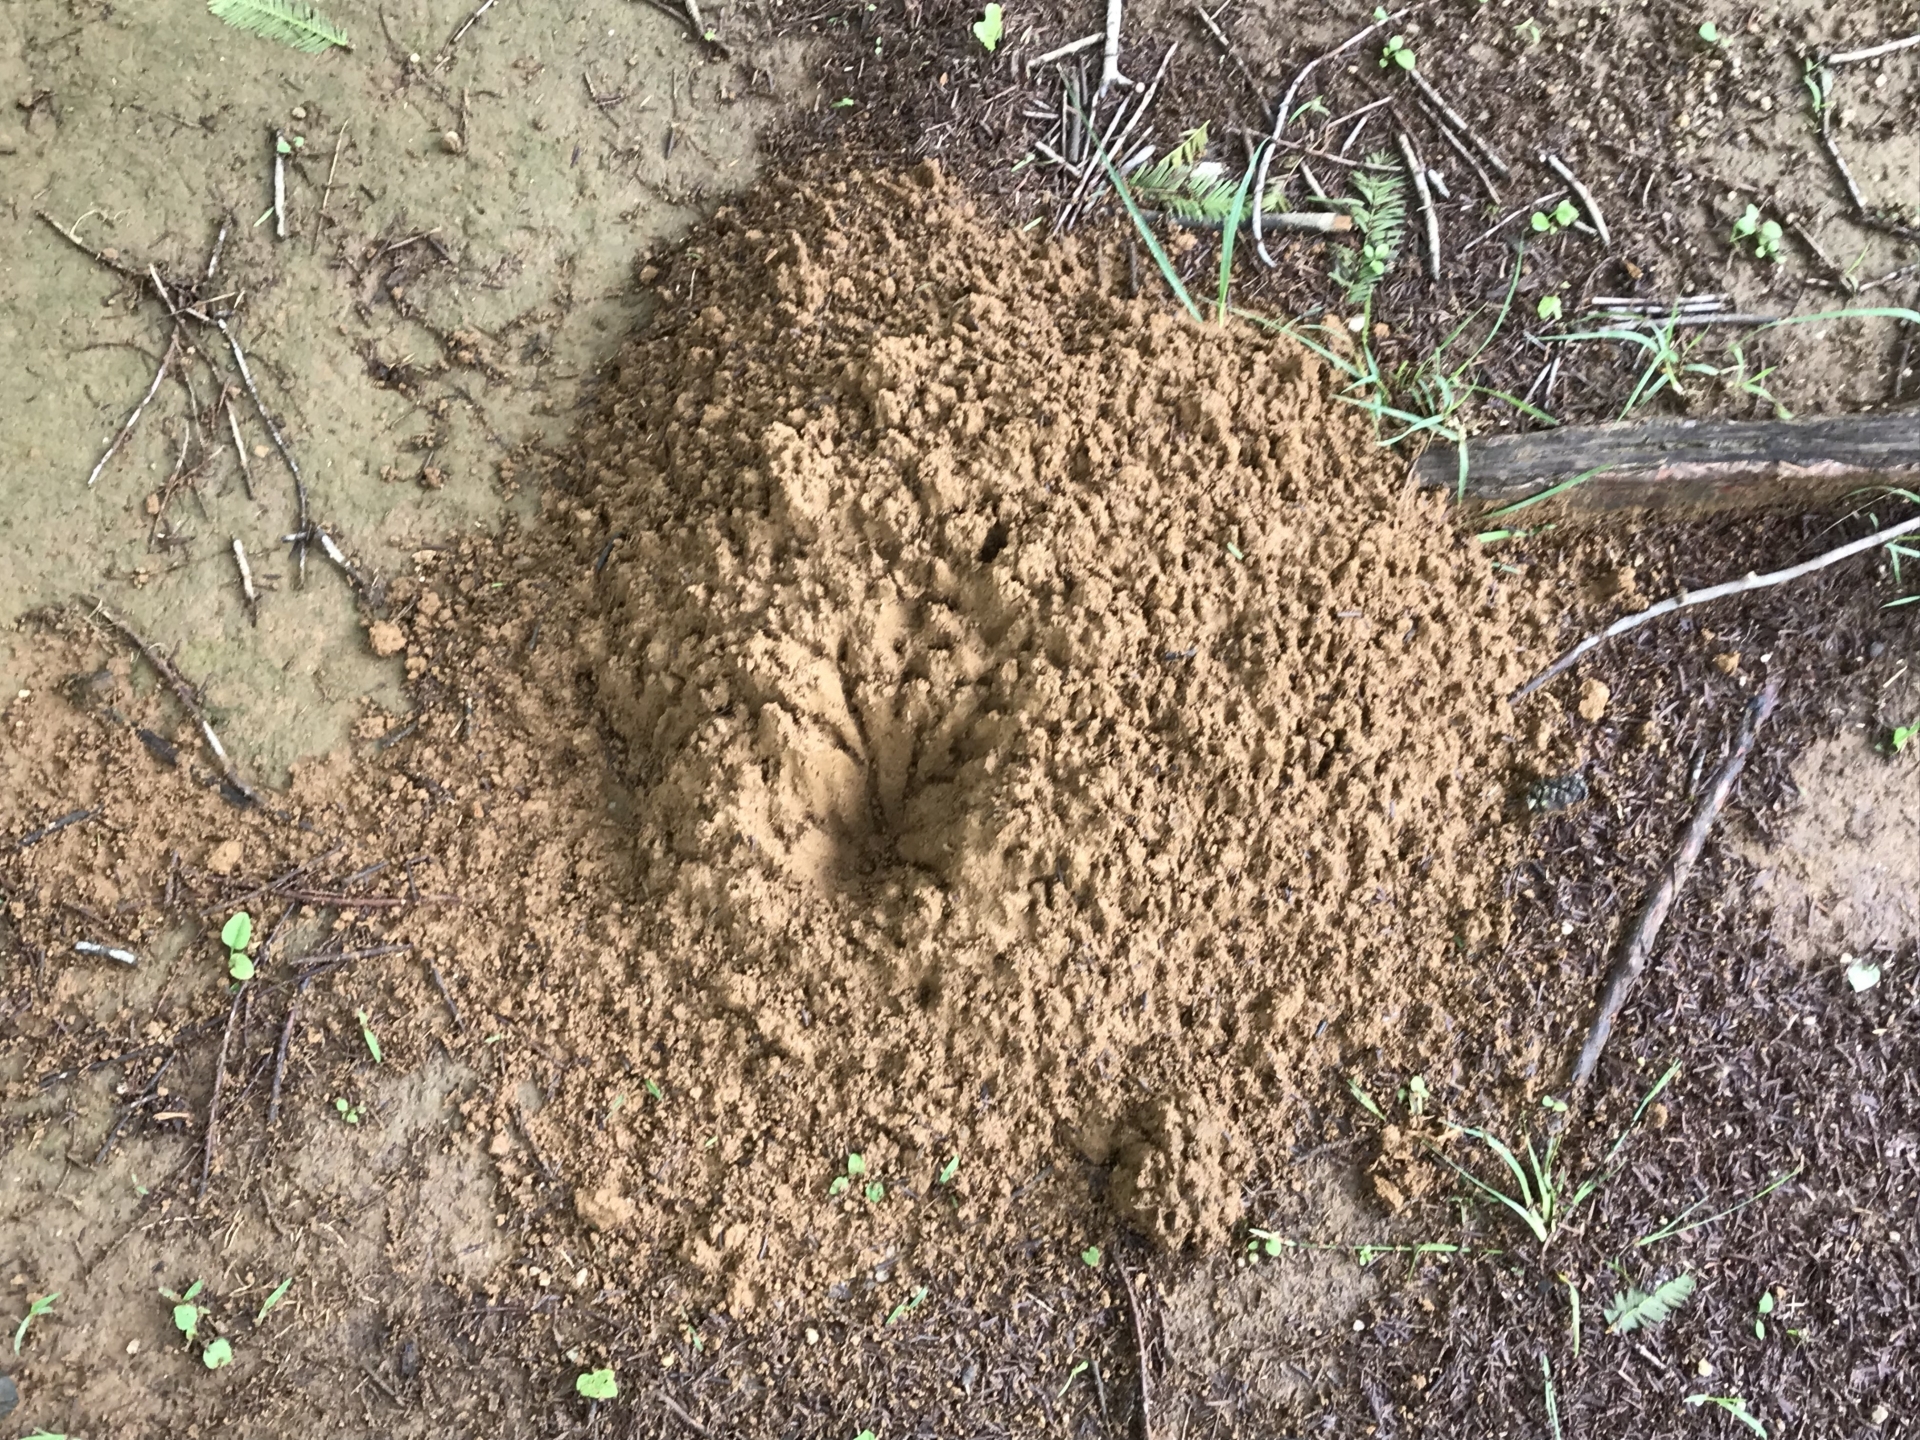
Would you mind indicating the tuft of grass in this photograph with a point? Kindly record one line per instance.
(279, 1294)
(287, 21)
(1542, 1195)
(1228, 235)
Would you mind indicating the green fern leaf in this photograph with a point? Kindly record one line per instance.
(1636, 1308)
(1381, 218)
(1169, 172)
(288, 21)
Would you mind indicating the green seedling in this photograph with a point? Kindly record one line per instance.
(34, 1311)
(1636, 1309)
(1862, 975)
(866, 1435)
(857, 1167)
(348, 1113)
(366, 1034)
(283, 146)
(279, 1294)
(655, 1091)
(988, 28)
(949, 1170)
(236, 935)
(1549, 308)
(1903, 735)
(1765, 234)
(908, 1305)
(186, 1314)
(1552, 222)
(1397, 52)
(1553, 1399)
(1710, 33)
(1072, 1375)
(1680, 1225)
(1734, 1406)
(1529, 31)
(845, 102)
(218, 1352)
(1090, 1257)
(597, 1385)
(1761, 1311)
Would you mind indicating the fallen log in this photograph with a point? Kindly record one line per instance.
(1696, 465)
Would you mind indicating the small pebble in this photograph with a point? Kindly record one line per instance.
(452, 143)
(1705, 1368)
(1879, 1416)
(9, 1396)
(299, 112)
(133, 1347)
(813, 1336)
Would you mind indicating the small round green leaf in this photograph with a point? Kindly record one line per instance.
(239, 966)
(876, 1192)
(856, 1164)
(218, 1352)
(1091, 1257)
(237, 933)
(186, 1319)
(597, 1385)
(1709, 32)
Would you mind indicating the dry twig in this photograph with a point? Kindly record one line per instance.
(1873, 52)
(182, 691)
(1581, 193)
(1110, 75)
(213, 1105)
(1686, 598)
(1453, 118)
(1418, 173)
(1281, 116)
(113, 448)
(1637, 946)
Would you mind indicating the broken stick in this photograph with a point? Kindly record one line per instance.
(1582, 194)
(182, 691)
(1110, 75)
(1638, 945)
(166, 363)
(1418, 173)
(1749, 581)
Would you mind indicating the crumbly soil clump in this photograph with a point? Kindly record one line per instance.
(951, 713)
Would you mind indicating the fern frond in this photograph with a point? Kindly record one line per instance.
(1168, 171)
(1637, 1308)
(288, 21)
(1381, 218)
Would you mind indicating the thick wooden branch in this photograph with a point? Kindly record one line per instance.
(1692, 464)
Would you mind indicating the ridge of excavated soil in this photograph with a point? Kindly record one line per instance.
(951, 713)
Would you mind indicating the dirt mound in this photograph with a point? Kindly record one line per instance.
(963, 753)
(1047, 718)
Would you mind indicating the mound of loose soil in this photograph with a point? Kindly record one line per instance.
(951, 714)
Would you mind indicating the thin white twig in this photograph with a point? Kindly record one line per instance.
(1110, 75)
(1072, 47)
(1280, 117)
(1453, 118)
(279, 186)
(239, 449)
(246, 574)
(1874, 52)
(467, 24)
(112, 952)
(1418, 173)
(1685, 598)
(1581, 193)
(134, 419)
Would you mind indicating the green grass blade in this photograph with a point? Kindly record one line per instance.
(1232, 230)
(1673, 1228)
(1547, 494)
(1532, 1220)
(1525, 407)
(1154, 248)
(1870, 312)
(288, 21)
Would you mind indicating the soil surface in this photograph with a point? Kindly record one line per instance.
(863, 677)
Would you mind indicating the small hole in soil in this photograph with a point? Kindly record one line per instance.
(995, 542)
